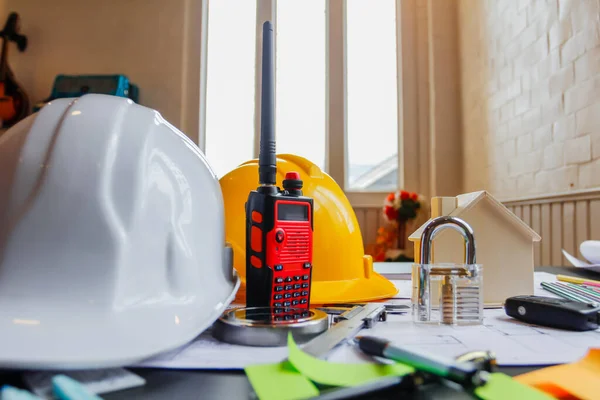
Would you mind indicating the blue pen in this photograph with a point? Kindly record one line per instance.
(465, 373)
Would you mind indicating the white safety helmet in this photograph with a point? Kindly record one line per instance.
(112, 241)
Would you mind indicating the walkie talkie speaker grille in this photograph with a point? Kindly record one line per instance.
(342, 272)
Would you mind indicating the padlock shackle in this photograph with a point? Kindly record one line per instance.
(440, 223)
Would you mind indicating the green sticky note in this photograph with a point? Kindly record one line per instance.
(501, 386)
(280, 381)
(338, 374)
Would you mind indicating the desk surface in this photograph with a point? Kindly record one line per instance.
(186, 384)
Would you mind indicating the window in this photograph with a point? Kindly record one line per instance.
(300, 97)
(308, 35)
(230, 83)
(372, 95)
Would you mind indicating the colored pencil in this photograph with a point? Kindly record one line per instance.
(565, 293)
(594, 288)
(582, 291)
(573, 279)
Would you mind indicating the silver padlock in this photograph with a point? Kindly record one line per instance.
(459, 285)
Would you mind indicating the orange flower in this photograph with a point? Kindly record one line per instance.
(390, 197)
(404, 195)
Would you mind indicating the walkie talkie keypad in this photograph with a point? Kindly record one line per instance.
(295, 292)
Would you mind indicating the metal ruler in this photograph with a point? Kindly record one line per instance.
(348, 324)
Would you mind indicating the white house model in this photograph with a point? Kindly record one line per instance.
(504, 244)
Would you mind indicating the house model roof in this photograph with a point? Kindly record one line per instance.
(466, 201)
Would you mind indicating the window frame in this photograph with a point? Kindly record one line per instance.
(412, 151)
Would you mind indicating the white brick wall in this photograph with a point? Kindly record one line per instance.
(530, 76)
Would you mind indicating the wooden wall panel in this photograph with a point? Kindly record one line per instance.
(563, 221)
(582, 224)
(595, 220)
(546, 235)
(568, 227)
(526, 214)
(556, 234)
(536, 225)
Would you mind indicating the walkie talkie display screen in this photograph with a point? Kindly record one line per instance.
(292, 212)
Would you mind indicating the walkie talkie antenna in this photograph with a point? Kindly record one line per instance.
(267, 158)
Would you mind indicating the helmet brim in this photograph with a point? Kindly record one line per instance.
(77, 336)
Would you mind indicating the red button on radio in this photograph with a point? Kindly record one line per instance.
(279, 235)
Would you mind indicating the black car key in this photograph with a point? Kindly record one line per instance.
(554, 313)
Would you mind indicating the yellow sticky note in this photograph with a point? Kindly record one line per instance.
(338, 374)
(279, 381)
(580, 379)
(501, 387)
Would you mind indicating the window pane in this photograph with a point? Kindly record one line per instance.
(300, 115)
(230, 83)
(372, 95)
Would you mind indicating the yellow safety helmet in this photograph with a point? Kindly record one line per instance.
(342, 273)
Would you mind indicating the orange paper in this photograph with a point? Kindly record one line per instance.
(578, 380)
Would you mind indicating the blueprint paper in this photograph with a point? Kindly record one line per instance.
(206, 352)
(514, 342)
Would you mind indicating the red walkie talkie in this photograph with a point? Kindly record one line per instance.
(279, 223)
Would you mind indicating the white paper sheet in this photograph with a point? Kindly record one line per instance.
(580, 263)
(513, 342)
